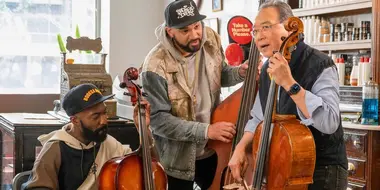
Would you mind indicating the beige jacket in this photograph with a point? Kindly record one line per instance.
(175, 129)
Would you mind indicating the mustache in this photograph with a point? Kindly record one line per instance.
(102, 129)
(194, 41)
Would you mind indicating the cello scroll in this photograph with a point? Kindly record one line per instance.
(294, 25)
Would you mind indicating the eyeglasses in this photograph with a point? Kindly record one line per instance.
(264, 28)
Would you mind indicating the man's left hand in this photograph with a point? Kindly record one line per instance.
(243, 69)
(279, 70)
(145, 104)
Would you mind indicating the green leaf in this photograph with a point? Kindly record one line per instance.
(60, 43)
(77, 33)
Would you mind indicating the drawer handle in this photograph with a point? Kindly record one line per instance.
(351, 167)
(357, 143)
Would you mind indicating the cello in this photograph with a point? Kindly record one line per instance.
(283, 150)
(137, 170)
(235, 109)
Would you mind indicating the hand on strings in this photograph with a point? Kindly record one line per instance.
(221, 131)
(279, 70)
(145, 104)
(243, 69)
(238, 164)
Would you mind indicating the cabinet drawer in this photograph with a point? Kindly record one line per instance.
(356, 142)
(355, 186)
(356, 168)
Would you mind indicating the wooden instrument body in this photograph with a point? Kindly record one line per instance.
(291, 159)
(128, 173)
(223, 150)
(137, 170)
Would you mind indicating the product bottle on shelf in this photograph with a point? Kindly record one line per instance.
(354, 72)
(341, 70)
(317, 24)
(366, 69)
(360, 77)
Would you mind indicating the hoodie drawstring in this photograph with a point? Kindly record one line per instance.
(81, 162)
(94, 166)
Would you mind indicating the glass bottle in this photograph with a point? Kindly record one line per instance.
(370, 106)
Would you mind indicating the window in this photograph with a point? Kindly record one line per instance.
(29, 52)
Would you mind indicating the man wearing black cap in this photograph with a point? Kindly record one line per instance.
(71, 158)
(183, 75)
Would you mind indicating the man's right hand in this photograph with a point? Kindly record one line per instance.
(221, 131)
(238, 163)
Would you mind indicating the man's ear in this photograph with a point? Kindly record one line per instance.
(75, 120)
(169, 31)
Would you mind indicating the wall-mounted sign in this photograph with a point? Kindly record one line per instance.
(239, 30)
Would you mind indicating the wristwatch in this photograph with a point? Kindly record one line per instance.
(294, 89)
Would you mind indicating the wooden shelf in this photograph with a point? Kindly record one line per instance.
(346, 45)
(334, 8)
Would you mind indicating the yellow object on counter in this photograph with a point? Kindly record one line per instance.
(70, 61)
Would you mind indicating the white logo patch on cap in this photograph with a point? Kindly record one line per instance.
(185, 11)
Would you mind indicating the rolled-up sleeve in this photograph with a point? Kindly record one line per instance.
(322, 103)
(256, 114)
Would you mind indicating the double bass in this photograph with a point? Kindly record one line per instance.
(235, 109)
(137, 170)
(283, 150)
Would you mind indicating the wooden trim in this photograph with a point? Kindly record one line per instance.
(375, 25)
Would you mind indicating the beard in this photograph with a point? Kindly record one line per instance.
(188, 47)
(98, 136)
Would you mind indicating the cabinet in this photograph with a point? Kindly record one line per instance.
(19, 145)
(363, 153)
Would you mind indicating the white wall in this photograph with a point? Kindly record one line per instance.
(128, 31)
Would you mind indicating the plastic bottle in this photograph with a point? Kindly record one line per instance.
(354, 72)
(341, 70)
(370, 106)
(360, 77)
(366, 69)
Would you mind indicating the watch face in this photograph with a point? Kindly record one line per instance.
(294, 89)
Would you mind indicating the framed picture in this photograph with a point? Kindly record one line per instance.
(217, 5)
(212, 23)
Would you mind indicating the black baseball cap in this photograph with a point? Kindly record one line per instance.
(181, 13)
(82, 97)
